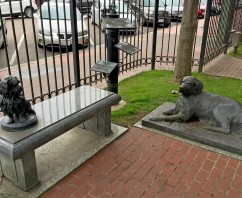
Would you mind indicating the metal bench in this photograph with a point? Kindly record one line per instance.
(85, 105)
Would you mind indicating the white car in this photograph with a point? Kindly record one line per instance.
(55, 31)
(3, 33)
(100, 9)
(176, 8)
(28, 8)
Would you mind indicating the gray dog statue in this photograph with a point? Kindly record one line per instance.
(220, 113)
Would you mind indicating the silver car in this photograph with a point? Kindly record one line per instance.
(26, 7)
(101, 8)
(55, 31)
(145, 12)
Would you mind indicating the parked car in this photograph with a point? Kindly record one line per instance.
(176, 8)
(84, 6)
(28, 8)
(57, 30)
(216, 7)
(3, 31)
(101, 8)
(144, 11)
(202, 9)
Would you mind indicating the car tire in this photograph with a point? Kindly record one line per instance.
(40, 46)
(28, 12)
(167, 24)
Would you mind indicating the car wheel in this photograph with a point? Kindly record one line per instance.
(40, 46)
(28, 12)
(167, 24)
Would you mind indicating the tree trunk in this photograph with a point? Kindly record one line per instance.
(185, 45)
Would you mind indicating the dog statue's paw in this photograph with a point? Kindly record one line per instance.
(218, 130)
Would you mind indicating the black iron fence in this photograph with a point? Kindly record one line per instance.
(32, 49)
(221, 18)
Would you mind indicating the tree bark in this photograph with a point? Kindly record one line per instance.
(183, 66)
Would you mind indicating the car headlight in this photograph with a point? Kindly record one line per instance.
(45, 32)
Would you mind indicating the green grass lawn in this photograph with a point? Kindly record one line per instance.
(148, 90)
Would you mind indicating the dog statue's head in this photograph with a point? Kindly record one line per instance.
(190, 86)
(9, 86)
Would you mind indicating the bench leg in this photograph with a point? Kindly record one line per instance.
(23, 171)
(100, 124)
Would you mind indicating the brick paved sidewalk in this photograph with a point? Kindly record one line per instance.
(145, 164)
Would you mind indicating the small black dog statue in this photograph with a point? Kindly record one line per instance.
(17, 110)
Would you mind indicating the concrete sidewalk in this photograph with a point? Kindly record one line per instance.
(148, 163)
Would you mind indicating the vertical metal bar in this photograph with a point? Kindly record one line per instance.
(147, 25)
(45, 54)
(27, 52)
(67, 50)
(5, 43)
(229, 23)
(59, 40)
(52, 49)
(83, 49)
(154, 35)
(37, 60)
(205, 35)
(76, 61)
(15, 44)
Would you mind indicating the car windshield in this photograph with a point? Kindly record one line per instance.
(151, 3)
(63, 13)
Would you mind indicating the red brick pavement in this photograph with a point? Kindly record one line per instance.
(144, 164)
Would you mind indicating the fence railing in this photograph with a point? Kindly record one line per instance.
(46, 68)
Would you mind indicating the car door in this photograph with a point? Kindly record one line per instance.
(5, 7)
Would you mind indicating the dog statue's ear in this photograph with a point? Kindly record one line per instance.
(199, 86)
(3, 87)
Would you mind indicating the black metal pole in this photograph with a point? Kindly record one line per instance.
(154, 34)
(76, 61)
(113, 55)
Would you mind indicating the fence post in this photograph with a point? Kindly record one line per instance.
(229, 24)
(154, 34)
(76, 61)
